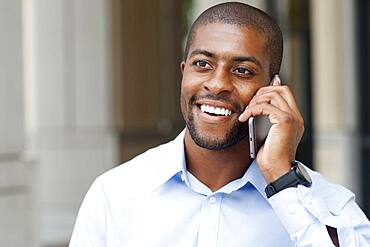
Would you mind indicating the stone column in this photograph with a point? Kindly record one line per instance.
(15, 209)
(69, 107)
(334, 91)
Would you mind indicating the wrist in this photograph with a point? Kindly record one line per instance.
(276, 171)
(297, 175)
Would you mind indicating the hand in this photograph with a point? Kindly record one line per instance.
(277, 102)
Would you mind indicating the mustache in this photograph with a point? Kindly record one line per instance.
(222, 97)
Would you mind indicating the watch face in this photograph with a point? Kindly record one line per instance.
(302, 172)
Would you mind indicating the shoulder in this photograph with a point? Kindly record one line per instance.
(142, 174)
(134, 172)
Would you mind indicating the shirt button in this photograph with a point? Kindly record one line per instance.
(182, 177)
(212, 200)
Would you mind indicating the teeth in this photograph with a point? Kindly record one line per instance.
(215, 110)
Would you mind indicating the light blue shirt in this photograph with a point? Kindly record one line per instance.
(153, 200)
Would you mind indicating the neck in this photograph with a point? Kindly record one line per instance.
(216, 168)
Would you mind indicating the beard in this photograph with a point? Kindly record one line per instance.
(237, 132)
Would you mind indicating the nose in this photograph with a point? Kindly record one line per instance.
(220, 82)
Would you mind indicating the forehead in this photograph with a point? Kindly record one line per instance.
(228, 39)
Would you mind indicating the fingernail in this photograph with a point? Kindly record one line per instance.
(276, 80)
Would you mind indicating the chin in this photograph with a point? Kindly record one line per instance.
(217, 139)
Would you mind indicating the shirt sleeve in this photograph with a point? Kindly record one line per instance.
(90, 225)
(306, 215)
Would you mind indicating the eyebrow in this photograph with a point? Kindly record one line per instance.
(252, 59)
(202, 52)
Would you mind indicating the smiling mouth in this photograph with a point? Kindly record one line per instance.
(215, 111)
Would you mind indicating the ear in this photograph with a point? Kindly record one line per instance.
(182, 67)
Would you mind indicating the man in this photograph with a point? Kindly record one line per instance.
(203, 189)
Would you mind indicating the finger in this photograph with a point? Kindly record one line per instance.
(284, 91)
(273, 98)
(274, 113)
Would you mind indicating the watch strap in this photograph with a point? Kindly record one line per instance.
(290, 179)
(287, 180)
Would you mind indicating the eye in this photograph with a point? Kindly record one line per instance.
(242, 71)
(202, 64)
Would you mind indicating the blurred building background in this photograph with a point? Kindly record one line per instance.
(88, 84)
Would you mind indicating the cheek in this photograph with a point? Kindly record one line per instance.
(187, 91)
(189, 86)
(191, 80)
(184, 106)
(246, 93)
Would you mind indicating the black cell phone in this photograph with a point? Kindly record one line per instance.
(259, 128)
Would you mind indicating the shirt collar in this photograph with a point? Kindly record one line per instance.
(253, 176)
(171, 161)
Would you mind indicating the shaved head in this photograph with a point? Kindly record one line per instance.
(241, 14)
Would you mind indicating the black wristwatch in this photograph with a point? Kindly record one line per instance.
(297, 175)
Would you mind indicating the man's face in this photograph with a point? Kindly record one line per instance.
(225, 67)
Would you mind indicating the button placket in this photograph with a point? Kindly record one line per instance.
(209, 221)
